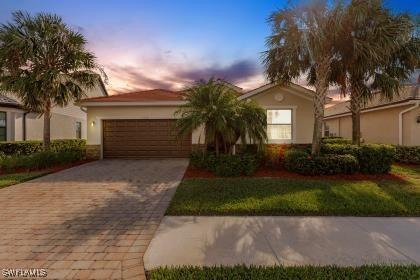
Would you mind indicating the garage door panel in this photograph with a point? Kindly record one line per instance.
(143, 139)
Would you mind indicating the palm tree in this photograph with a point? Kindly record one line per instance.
(214, 106)
(44, 63)
(303, 41)
(376, 52)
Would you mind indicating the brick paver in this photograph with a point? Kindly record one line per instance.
(93, 221)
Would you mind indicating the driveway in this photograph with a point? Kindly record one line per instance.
(93, 221)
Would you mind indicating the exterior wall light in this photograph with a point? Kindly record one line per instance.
(92, 124)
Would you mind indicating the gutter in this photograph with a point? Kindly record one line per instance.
(400, 121)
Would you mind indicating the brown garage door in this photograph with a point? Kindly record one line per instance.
(143, 139)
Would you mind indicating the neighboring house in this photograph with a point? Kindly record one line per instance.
(140, 124)
(395, 121)
(67, 122)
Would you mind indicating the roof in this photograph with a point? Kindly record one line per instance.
(6, 101)
(153, 95)
(408, 93)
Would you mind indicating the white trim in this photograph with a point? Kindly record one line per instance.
(293, 109)
(400, 121)
(129, 103)
(339, 115)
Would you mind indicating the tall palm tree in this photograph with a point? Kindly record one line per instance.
(214, 106)
(44, 63)
(375, 52)
(303, 41)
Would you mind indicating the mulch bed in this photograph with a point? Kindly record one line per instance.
(266, 172)
(46, 170)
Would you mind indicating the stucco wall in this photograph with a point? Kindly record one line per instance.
(62, 126)
(97, 114)
(303, 111)
(381, 126)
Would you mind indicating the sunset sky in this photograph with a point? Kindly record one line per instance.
(170, 43)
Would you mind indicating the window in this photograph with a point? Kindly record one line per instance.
(326, 130)
(279, 125)
(78, 130)
(3, 126)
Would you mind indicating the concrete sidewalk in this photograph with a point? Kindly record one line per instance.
(207, 241)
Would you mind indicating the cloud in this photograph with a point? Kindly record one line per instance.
(155, 73)
(236, 72)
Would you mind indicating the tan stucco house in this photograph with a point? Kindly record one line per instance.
(69, 122)
(395, 121)
(140, 124)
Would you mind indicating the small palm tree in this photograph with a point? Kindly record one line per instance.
(44, 63)
(303, 41)
(214, 106)
(376, 52)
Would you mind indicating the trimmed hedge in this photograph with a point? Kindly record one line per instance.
(340, 149)
(301, 162)
(225, 165)
(376, 158)
(40, 160)
(407, 154)
(30, 147)
(336, 140)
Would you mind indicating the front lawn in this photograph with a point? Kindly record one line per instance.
(13, 179)
(278, 196)
(385, 272)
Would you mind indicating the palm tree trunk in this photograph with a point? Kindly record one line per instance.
(319, 103)
(355, 107)
(47, 127)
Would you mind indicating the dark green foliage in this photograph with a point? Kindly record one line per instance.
(40, 160)
(376, 158)
(301, 162)
(225, 165)
(383, 272)
(336, 140)
(340, 149)
(30, 147)
(408, 154)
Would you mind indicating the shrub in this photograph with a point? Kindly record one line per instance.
(408, 154)
(336, 140)
(273, 155)
(40, 160)
(340, 149)
(301, 162)
(376, 158)
(225, 165)
(30, 147)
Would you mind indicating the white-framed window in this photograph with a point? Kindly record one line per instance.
(280, 125)
(78, 130)
(3, 126)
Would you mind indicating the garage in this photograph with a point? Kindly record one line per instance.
(143, 138)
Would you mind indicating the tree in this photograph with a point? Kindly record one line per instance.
(303, 41)
(44, 63)
(214, 106)
(376, 52)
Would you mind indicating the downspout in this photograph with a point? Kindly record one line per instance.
(400, 121)
(24, 126)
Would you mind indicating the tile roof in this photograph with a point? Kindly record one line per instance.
(410, 92)
(8, 102)
(140, 96)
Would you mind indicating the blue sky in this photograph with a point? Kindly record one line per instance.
(166, 43)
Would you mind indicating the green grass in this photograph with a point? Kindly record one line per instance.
(13, 179)
(273, 196)
(393, 272)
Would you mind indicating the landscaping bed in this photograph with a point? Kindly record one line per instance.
(301, 196)
(383, 272)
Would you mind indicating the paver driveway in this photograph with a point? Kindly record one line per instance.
(93, 221)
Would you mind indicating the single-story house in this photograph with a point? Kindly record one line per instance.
(395, 121)
(140, 124)
(69, 122)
